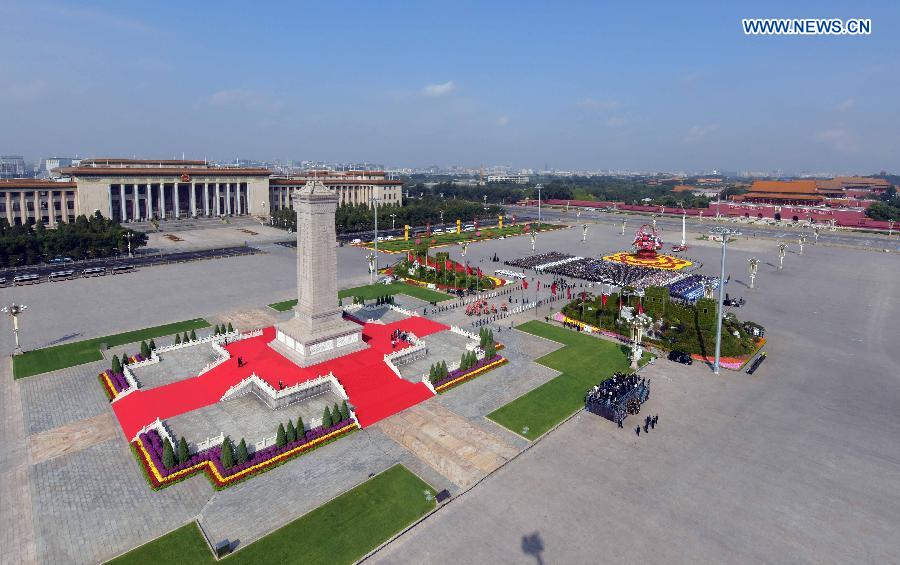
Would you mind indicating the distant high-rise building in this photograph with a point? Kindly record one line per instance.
(12, 167)
(49, 163)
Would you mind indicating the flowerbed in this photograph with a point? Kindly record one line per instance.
(459, 376)
(149, 449)
(732, 363)
(113, 383)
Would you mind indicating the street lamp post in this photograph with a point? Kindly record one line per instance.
(782, 250)
(639, 323)
(725, 233)
(14, 310)
(624, 221)
(816, 235)
(753, 269)
(128, 235)
(800, 241)
(539, 187)
(374, 269)
(890, 227)
(393, 220)
(533, 239)
(583, 233)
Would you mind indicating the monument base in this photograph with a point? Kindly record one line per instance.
(307, 348)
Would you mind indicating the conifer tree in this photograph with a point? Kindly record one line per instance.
(193, 335)
(345, 411)
(301, 430)
(290, 432)
(145, 350)
(177, 339)
(336, 413)
(168, 454)
(152, 345)
(227, 456)
(281, 436)
(242, 454)
(116, 365)
(230, 328)
(326, 418)
(183, 452)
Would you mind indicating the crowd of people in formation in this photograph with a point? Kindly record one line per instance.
(532, 261)
(690, 288)
(618, 396)
(614, 273)
(649, 424)
(397, 336)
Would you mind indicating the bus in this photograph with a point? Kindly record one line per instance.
(57, 275)
(122, 269)
(25, 279)
(93, 272)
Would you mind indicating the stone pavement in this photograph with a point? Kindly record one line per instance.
(72, 437)
(452, 445)
(55, 399)
(17, 534)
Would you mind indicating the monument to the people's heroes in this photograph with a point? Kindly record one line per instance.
(317, 332)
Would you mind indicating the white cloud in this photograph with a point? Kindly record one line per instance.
(436, 90)
(691, 77)
(24, 91)
(597, 105)
(502, 121)
(839, 139)
(698, 133)
(245, 99)
(846, 105)
(616, 121)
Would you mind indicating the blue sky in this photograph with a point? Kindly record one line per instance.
(636, 85)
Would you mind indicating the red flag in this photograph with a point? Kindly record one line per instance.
(448, 264)
(583, 296)
(525, 284)
(539, 285)
(553, 288)
(603, 298)
(479, 272)
(640, 307)
(409, 256)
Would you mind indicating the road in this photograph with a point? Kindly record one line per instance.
(44, 270)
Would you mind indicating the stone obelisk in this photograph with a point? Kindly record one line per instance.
(317, 332)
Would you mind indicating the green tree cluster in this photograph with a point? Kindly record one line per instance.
(85, 238)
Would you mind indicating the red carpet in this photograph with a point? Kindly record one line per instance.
(375, 390)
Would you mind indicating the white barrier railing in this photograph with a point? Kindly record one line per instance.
(465, 333)
(402, 310)
(159, 427)
(210, 442)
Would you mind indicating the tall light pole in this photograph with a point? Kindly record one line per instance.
(890, 227)
(375, 200)
(719, 314)
(533, 240)
(539, 187)
(753, 269)
(816, 234)
(14, 310)
(800, 241)
(782, 250)
(624, 221)
(583, 233)
(393, 219)
(683, 226)
(128, 235)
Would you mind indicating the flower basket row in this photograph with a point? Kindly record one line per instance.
(113, 383)
(148, 448)
(458, 376)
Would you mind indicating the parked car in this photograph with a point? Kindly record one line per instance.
(357, 240)
(680, 357)
(60, 260)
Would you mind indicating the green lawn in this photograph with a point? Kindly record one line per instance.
(340, 531)
(453, 237)
(583, 362)
(71, 354)
(373, 291)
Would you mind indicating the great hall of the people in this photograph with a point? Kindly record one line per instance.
(145, 189)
